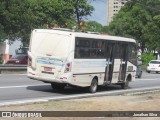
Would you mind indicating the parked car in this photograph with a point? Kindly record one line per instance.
(19, 59)
(153, 66)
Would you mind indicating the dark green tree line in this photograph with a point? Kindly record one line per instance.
(19, 17)
(139, 19)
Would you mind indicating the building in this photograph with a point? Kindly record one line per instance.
(113, 8)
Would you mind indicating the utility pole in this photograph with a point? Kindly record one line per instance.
(77, 14)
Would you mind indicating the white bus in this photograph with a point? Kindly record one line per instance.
(81, 59)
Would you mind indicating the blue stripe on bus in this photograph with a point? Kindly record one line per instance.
(49, 63)
(59, 62)
(48, 58)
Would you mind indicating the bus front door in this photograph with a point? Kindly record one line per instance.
(109, 62)
(123, 65)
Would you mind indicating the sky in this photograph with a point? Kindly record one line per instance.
(100, 13)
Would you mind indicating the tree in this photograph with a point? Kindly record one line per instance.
(53, 12)
(16, 18)
(92, 26)
(151, 32)
(2, 33)
(137, 19)
(19, 17)
(106, 30)
(82, 9)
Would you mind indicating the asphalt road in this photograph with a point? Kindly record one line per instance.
(20, 88)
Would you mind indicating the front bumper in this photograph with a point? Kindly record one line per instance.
(153, 69)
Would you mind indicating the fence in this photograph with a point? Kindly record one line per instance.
(13, 68)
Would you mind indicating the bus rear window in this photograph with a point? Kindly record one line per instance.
(49, 43)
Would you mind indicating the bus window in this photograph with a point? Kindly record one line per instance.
(97, 49)
(82, 48)
(132, 53)
(89, 48)
(118, 51)
(93, 49)
(101, 47)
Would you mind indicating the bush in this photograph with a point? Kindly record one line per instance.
(146, 57)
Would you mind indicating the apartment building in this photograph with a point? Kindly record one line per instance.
(113, 7)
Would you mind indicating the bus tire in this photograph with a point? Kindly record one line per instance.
(58, 86)
(125, 85)
(148, 71)
(94, 85)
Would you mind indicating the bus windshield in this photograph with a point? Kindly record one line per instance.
(50, 44)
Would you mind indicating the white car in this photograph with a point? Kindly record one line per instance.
(153, 66)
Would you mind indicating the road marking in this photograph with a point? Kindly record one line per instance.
(6, 87)
(147, 79)
(87, 95)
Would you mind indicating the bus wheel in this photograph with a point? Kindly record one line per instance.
(93, 86)
(58, 86)
(125, 85)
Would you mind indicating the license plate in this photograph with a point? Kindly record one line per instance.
(48, 69)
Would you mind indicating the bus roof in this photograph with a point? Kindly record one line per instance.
(85, 35)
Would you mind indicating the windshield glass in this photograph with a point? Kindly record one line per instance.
(155, 62)
(50, 44)
(22, 51)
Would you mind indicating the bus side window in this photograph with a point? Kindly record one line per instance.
(100, 49)
(93, 49)
(82, 46)
(118, 50)
(77, 53)
(132, 55)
